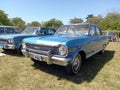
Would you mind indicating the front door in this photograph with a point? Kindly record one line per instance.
(94, 38)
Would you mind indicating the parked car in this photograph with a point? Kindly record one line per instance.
(69, 46)
(14, 41)
(9, 30)
(113, 36)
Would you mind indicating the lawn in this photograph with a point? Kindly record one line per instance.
(100, 72)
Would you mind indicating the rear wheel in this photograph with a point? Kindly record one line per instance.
(75, 66)
(103, 50)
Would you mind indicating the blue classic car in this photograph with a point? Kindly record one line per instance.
(14, 41)
(69, 46)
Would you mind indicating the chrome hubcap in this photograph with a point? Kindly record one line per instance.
(76, 64)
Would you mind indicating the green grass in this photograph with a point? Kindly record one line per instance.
(100, 72)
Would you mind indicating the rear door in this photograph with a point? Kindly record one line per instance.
(99, 37)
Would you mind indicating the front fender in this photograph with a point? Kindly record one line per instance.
(77, 51)
(18, 44)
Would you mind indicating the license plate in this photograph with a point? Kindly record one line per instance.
(37, 57)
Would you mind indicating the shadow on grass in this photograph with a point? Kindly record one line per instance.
(12, 53)
(87, 73)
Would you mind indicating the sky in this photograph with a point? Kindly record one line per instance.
(64, 10)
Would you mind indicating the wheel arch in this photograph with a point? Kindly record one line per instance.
(83, 55)
(81, 52)
(69, 68)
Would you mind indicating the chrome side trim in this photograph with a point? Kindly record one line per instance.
(91, 54)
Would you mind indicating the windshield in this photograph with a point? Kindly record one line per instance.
(30, 30)
(73, 29)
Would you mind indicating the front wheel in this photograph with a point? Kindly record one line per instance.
(19, 51)
(75, 67)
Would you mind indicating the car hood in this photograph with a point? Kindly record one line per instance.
(14, 36)
(56, 40)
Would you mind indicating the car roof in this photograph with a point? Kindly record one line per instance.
(42, 27)
(37, 27)
(9, 26)
(83, 24)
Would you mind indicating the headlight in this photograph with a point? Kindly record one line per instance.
(63, 50)
(23, 45)
(10, 41)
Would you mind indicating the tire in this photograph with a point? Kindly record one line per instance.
(102, 51)
(75, 67)
(19, 51)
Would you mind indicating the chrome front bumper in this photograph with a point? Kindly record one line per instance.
(8, 46)
(48, 58)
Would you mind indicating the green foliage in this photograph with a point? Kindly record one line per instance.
(34, 24)
(53, 23)
(4, 20)
(111, 21)
(93, 19)
(103, 25)
(17, 21)
(115, 25)
(75, 20)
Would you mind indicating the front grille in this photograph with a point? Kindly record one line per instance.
(39, 48)
(3, 41)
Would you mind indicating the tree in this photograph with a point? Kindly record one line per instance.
(17, 21)
(4, 20)
(75, 20)
(111, 21)
(34, 24)
(53, 23)
(93, 19)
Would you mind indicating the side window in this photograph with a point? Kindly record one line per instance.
(98, 31)
(9, 30)
(43, 31)
(92, 30)
(17, 30)
(1, 30)
(51, 31)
